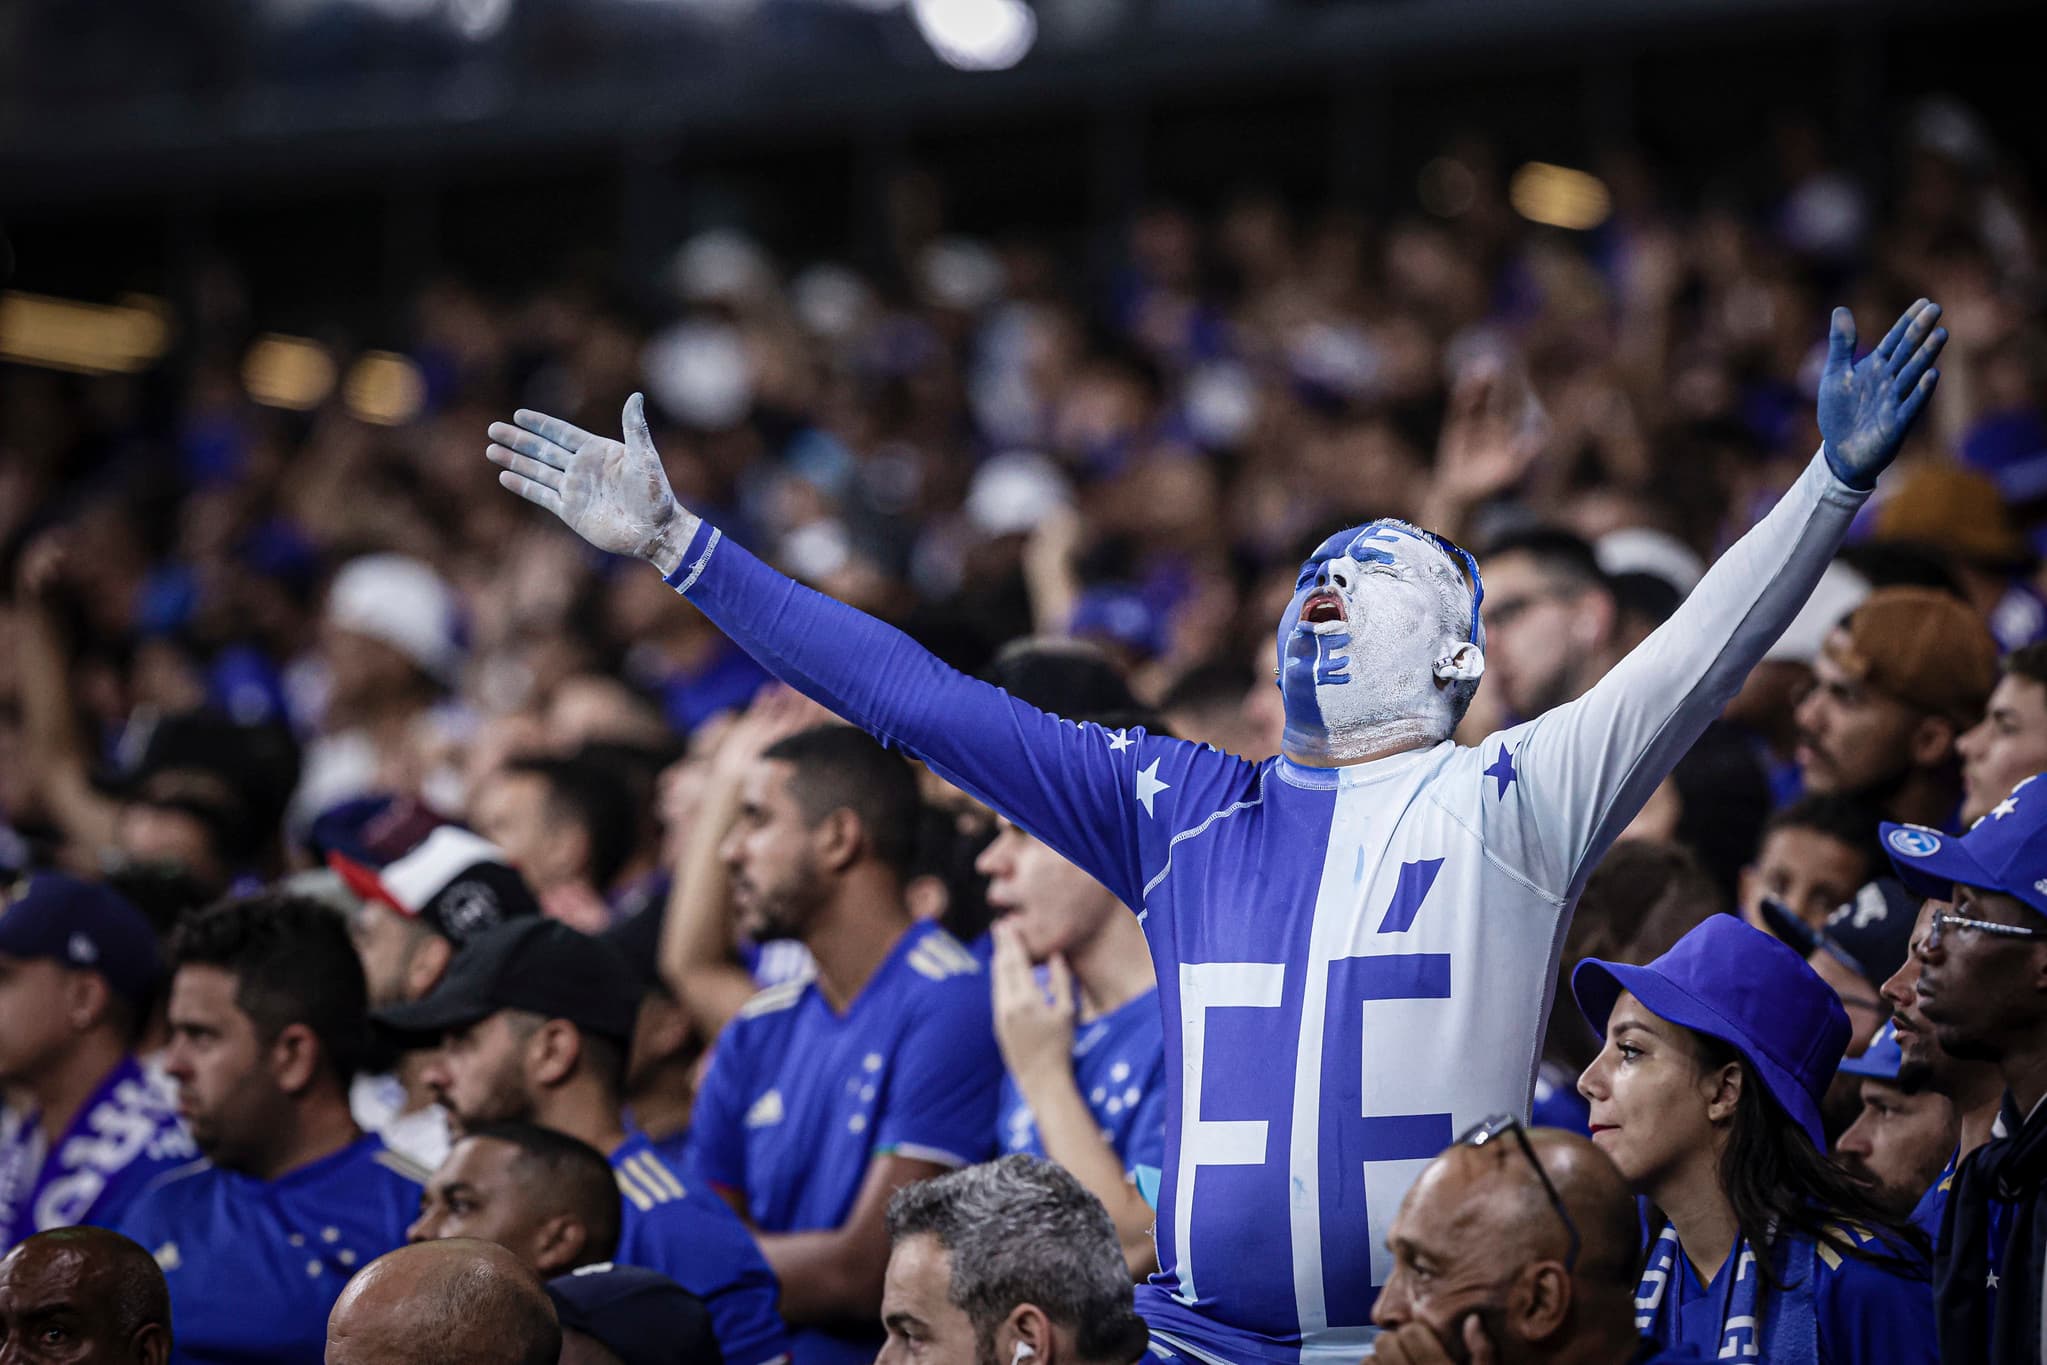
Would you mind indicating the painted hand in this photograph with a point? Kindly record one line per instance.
(614, 495)
(1035, 1033)
(1867, 407)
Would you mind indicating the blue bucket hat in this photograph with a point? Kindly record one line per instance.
(2005, 851)
(1733, 982)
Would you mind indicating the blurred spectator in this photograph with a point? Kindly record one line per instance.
(1515, 1246)
(623, 1315)
(1707, 1098)
(1714, 802)
(1642, 898)
(1207, 706)
(1085, 1063)
(1902, 1139)
(1812, 855)
(548, 1198)
(458, 1300)
(1983, 986)
(703, 929)
(668, 1051)
(826, 1095)
(567, 825)
(1009, 1261)
(535, 1024)
(96, 1291)
(1957, 514)
(1767, 705)
(1971, 1085)
(2010, 742)
(268, 1025)
(84, 1130)
(412, 912)
(390, 651)
(1861, 946)
(1897, 683)
(1551, 620)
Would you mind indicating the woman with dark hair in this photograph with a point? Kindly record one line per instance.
(1706, 1094)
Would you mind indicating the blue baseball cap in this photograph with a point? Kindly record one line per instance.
(642, 1317)
(85, 926)
(1731, 981)
(2005, 851)
(1880, 1060)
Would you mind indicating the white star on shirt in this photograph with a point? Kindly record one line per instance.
(1993, 1280)
(2003, 808)
(1149, 786)
(1120, 741)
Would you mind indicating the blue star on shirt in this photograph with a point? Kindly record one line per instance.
(1502, 772)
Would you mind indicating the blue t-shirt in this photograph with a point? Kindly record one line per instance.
(690, 1235)
(800, 1099)
(124, 1136)
(1867, 1315)
(1119, 1066)
(1557, 1103)
(1932, 1205)
(254, 1265)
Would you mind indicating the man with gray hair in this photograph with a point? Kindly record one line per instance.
(1008, 1263)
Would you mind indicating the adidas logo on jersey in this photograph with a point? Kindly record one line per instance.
(766, 1111)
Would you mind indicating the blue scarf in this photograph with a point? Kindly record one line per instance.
(1790, 1337)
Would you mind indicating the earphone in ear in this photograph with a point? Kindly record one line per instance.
(1023, 1352)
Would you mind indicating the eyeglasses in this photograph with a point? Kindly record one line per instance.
(1502, 1125)
(1943, 920)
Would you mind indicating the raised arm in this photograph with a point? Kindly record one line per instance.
(1074, 786)
(1590, 765)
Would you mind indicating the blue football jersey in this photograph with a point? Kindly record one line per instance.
(693, 1237)
(800, 1099)
(124, 1136)
(1867, 1315)
(1119, 1066)
(254, 1265)
(1354, 963)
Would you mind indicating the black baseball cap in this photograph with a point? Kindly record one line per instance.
(535, 964)
(640, 1316)
(1871, 934)
(638, 940)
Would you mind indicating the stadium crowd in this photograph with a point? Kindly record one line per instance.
(432, 934)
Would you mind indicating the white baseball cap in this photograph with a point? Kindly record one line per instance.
(405, 604)
(1839, 592)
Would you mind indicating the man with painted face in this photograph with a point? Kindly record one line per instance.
(1355, 941)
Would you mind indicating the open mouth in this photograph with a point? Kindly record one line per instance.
(1322, 607)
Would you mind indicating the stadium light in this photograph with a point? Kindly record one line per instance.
(85, 338)
(288, 372)
(384, 389)
(977, 35)
(1557, 196)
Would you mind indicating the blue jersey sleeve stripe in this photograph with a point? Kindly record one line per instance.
(1223, 814)
(651, 1169)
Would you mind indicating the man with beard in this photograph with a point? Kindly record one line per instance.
(535, 1022)
(827, 1095)
(1355, 940)
(267, 1024)
(1972, 1087)
(1894, 685)
(1983, 985)
(1004, 1264)
(1901, 1139)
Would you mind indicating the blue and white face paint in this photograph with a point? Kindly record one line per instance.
(1381, 633)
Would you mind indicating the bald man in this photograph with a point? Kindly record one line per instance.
(101, 1292)
(1482, 1270)
(453, 1302)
